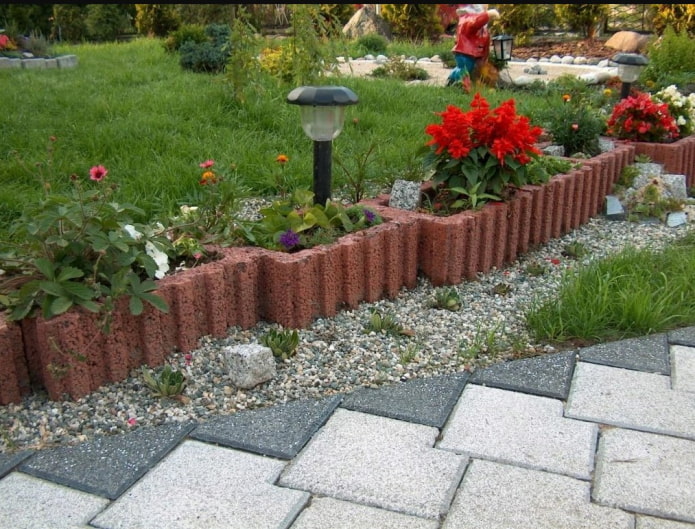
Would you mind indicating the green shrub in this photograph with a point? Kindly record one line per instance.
(585, 18)
(209, 56)
(397, 68)
(681, 17)
(373, 43)
(413, 21)
(671, 60)
(576, 127)
(156, 20)
(69, 23)
(106, 21)
(192, 32)
(337, 14)
(522, 20)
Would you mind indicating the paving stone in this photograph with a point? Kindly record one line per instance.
(648, 522)
(646, 473)
(426, 401)
(683, 368)
(497, 496)
(324, 513)
(278, 431)
(10, 461)
(380, 462)
(516, 428)
(545, 375)
(108, 465)
(201, 486)
(648, 353)
(684, 336)
(27, 502)
(630, 399)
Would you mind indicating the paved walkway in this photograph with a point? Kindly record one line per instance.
(599, 438)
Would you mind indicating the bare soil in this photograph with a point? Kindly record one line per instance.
(585, 48)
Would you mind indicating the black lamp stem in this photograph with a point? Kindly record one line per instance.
(322, 171)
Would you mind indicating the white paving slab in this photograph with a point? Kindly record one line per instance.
(646, 473)
(648, 522)
(497, 496)
(683, 368)
(329, 513)
(630, 399)
(201, 486)
(27, 502)
(379, 462)
(516, 428)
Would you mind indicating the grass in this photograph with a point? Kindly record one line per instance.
(632, 293)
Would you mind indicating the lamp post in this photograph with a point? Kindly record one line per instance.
(502, 48)
(322, 110)
(630, 66)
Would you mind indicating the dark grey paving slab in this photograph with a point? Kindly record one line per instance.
(202, 486)
(646, 473)
(648, 353)
(427, 401)
(684, 336)
(278, 431)
(108, 465)
(27, 502)
(10, 461)
(496, 496)
(546, 375)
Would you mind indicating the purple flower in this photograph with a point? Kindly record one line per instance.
(369, 215)
(289, 239)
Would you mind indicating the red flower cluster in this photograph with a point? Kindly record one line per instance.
(639, 118)
(501, 130)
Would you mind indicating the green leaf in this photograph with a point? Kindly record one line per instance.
(52, 288)
(78, 290)
(136, 306)
(60, 305)
(45, 267)
(69, 272)
(158, 303)
(89, 305)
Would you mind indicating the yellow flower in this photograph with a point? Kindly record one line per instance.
(608, 92)
(282, 159)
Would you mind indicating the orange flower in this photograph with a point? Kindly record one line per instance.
(208, 177)
(282, 159)
(566, 98)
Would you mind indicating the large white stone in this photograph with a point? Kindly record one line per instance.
(250, 364)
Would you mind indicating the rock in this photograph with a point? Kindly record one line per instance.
(381, 59)
(606, 145)
(614, 209)
(580, 60)
(556, 59)
(369, 57)
(554, 150)
(628, 42)
(249, 364)
(535, 70)
(405, 194)
(567, 59)
(604, 63)
(676, 218)
(675, 186)
(366, 22)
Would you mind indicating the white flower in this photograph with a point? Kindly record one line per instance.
(188, 210)
(130, 230)
(681, 121)
(160, 258)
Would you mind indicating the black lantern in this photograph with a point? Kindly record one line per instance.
(502, 47)
(630, 66)
(323, 115)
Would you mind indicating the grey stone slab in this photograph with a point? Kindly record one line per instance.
(630, 399)
(648, 353)
(201, 486)
(34, 64)
(325, 513)
(546, 375)
(9, 461)
(649, 522)
(380, 462)
(525, 430)
(279, 431)
(426, 401)
(614, 209)
(646, 473)
(27, 502)
(683, 368)
(107, 465)
(684, 336)
(497, 496)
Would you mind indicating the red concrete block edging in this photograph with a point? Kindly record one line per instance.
(69, 357)
(677, 157)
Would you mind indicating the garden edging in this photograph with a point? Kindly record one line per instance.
(69, 357)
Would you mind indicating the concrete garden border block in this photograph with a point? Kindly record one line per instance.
(677, 157)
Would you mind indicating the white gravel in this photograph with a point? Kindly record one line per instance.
(337, 355)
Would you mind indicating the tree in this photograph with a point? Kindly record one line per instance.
(586, 18)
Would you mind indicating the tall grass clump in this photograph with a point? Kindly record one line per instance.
(632, 293)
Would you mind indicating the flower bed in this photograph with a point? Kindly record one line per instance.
(69, 357)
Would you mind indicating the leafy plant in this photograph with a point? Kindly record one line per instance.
(81, 248)
(671, 59)
(575, 250)
(640, 118)
(243, 67)
(168, 383)
(383, 323)
(681, 107)
(481, 151)
(413, 21)
(447, 299)
(642, 158)
(297, 223)
(357, 179)
(575, 126)
(192, 32)
(373, 43)
(283, 343)
(536, 268)
(586, 18)
(397, 68)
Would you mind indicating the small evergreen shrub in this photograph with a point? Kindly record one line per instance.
(671, 60)
(192, 32)
(209, 56)
(373, 43)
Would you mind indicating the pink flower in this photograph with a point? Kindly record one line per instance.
(207, 164)
(132, 421)
(188, 357)
(554, 261)
(197, 256)
(575, 126)
(98, 173)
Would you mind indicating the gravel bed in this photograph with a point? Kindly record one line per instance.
(337, 355)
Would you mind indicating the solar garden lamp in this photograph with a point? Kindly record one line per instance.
(630, 66)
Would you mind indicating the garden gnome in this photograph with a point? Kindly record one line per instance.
(472, 39)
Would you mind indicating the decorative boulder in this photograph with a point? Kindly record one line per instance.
(405, 195)
(366, 22)
(250, 365)
(628, 42)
